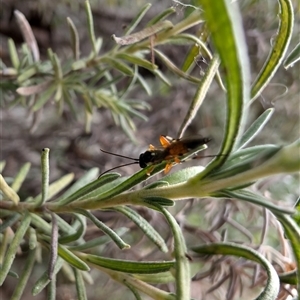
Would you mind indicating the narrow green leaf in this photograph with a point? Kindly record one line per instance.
(45, 177)
(98, 241)
(4, 245)
(199, 48)
(255, 128)
(279, 48)
(286, 160)
(182, 267)
(293, 57)
(156, 184)
(97, 186)
(292, 231)
(87, 104)
(244, 163)
(272, 287)
(144, 84)
(56, 187)
(132, 111)
(68, 97)
(159, 201)
(161, 16)
(81, 182)
(43, 281)
(108, 83)
(147, 228)
(19, 179)
(133, 290)
(191, 59)
(58, 97)
(162, 77)
(74, 39)
(129, 127)
(27, 59)
(57, 68)
(296, 216)
(13, 53)
(108, 231)
(70, 237)
(88, 122)
(170, 65)
(90, 21)
(8, 191)
(126, 184)
(80, 286)
(28, 34)
(13, 247)
(87, 277)
(183, 175)
(126, 105)
(53, 246)
(51, 289)
(119, 65)
(72, 259)
(137, 61)
(13, 274)
(288, 277)
(138, 18)
(23, 281)
(200, 95)
(44, 97)
(229, 40)
(112, 87)
(99, 42)
(160, 37)
(255, 199)
(78, 65)
(253, 151)
(127, 266)
(65, 227)
(41, 224)
(32, 239)
(187, 38)
(158, 278)
(26, 74)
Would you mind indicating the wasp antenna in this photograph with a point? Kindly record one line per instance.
(119, 155)
(120, 166)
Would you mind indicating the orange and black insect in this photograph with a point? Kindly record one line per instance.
(172, 151)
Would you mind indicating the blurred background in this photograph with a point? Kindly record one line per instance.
(73, 150)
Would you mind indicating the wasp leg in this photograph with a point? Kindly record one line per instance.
(150, 171)
(168, 167)
(177, 160)
(151, 147)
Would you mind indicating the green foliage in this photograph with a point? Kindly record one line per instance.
(38, 221)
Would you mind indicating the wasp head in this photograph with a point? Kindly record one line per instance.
(145, 158)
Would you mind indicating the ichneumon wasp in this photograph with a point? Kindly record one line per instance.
(172, 151)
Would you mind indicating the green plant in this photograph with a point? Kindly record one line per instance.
(38, 221)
